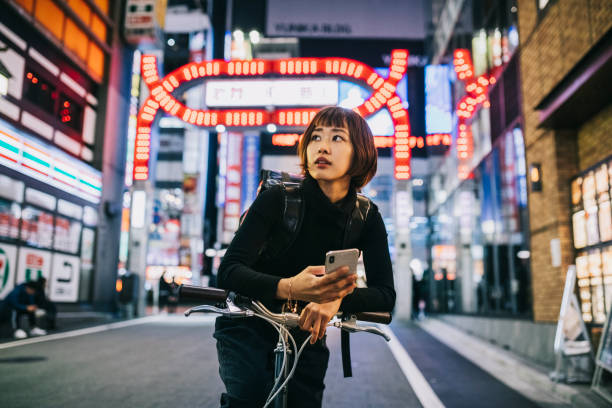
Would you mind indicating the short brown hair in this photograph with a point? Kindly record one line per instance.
(363, 165)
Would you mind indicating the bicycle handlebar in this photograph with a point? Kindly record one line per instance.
(206, 295)
(374, 317)
(214, 296)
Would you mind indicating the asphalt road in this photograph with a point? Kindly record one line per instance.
(173, 363)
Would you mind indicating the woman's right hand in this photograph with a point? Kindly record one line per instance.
(313, 285)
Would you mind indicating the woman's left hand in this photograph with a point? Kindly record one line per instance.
(315, 316)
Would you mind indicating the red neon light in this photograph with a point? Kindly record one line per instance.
(161, 98)
(476, 96)
(438, 139)
(285, 139)
(383, 141)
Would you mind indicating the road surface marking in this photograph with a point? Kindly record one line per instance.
(419, 384)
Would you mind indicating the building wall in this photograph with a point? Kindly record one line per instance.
(594, 139)
(551, 45)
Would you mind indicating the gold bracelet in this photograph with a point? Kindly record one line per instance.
(292, 305)
(290, 286)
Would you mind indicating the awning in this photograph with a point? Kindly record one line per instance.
(583, 92)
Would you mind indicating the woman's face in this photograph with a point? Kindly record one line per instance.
(329, 153)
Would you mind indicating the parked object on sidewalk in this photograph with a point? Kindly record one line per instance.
(602, 384)
(574, 355)
(173, 296)
(127, 289)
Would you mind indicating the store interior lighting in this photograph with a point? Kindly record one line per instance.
(254, 36)
(238, 35)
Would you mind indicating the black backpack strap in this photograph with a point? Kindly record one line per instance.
(356, 222)
(285, 234)
(345, 343)
(352, 233)
(292, 211)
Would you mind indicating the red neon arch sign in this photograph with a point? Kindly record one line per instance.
(476, 90)
(161, 89)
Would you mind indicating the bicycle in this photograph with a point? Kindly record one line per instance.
(232, 305)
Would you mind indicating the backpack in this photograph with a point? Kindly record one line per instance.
(285, 234)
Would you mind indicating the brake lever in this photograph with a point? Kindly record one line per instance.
(350, 325)
(224, 312)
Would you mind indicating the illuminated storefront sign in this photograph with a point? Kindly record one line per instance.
(438, 103)
(49, 165)
(233, 183)
(161, 89)
(273, 92)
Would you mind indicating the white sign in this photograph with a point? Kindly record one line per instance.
(555, 252)
(69, 209)
(11, 189)
(280, 92)
(346, 19)
(33, 264)
(64, 284)
(39, 198)
(8, 261)
(90, 216)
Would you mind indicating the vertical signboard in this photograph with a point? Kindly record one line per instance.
(8, 260)
(231, 214)
(33, 264)
(250, 170)
(64, 283)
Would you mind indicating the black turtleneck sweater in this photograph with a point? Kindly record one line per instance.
(243, 271)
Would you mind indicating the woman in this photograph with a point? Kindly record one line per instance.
(338, 157)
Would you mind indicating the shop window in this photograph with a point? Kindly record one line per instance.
(80, 9)
(67, 235)
(75, 39)
(98, 27)
(10, 213)
(70, 113)
(592, 235)
(50, 16)
(39, 92)
(37, 227)
(28, 5)
(95, 61)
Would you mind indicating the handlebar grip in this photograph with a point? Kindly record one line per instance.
(374, 317)
(206, 295)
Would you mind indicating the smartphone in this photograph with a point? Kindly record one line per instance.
(339, 258)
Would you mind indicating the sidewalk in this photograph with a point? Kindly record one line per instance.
(67, 321)
(72, 319)
(525, 377)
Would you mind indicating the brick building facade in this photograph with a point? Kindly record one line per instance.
(563, 49)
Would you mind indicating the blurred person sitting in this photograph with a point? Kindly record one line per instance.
(20, 301)
(45, 307)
